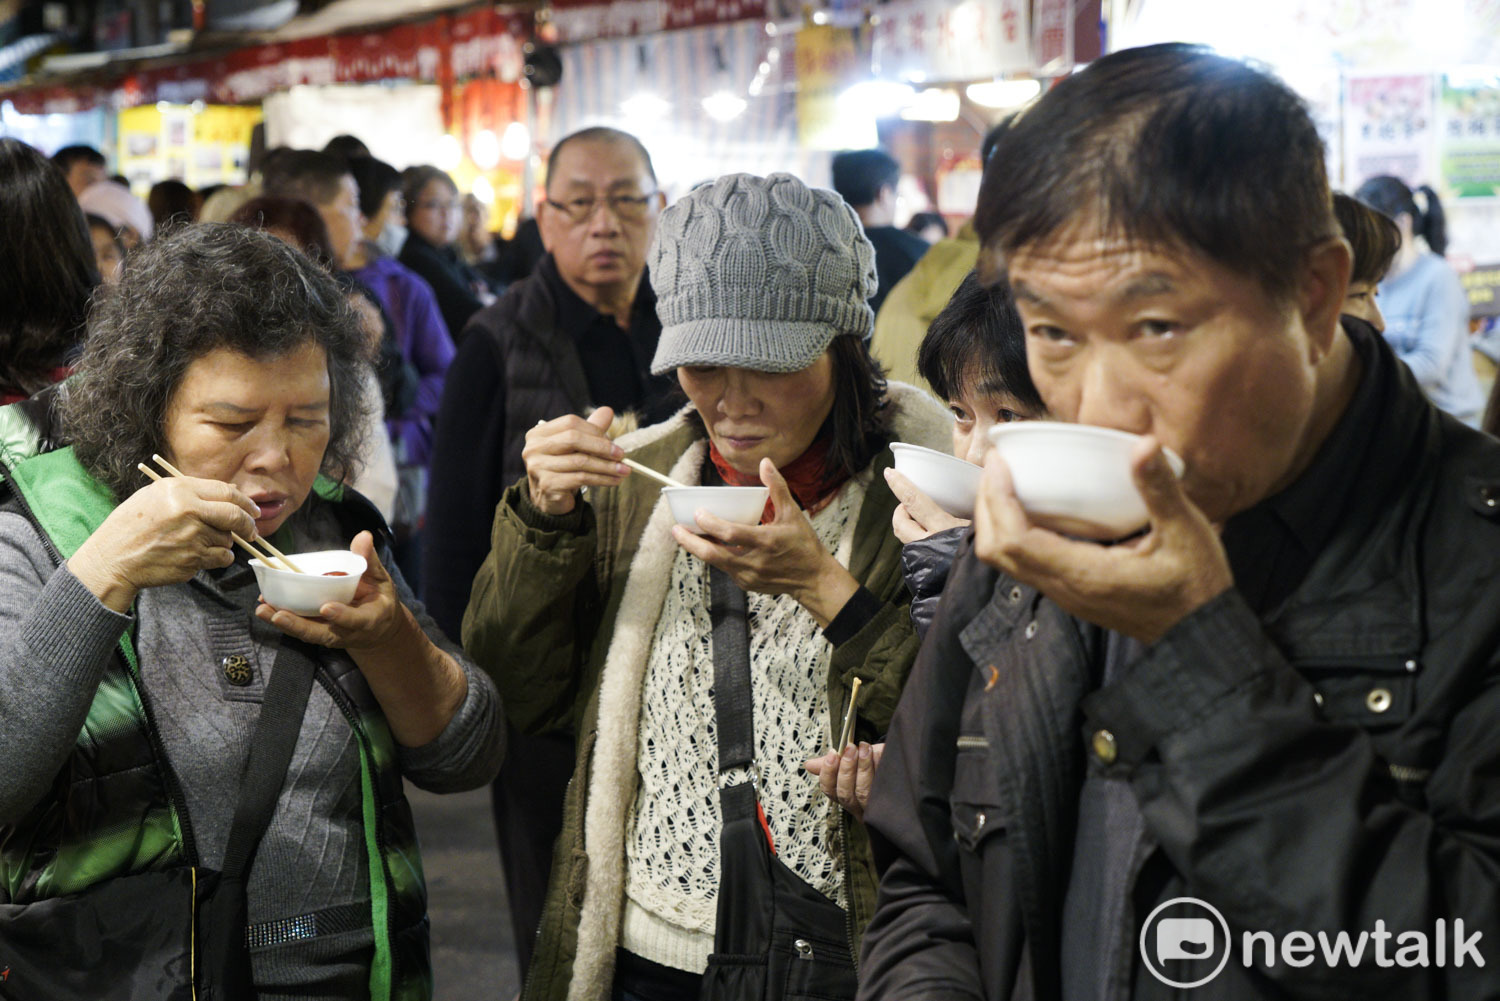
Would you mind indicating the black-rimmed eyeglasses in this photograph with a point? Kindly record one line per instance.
(630, 208)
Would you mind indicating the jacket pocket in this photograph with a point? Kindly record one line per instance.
(974, 806)
(1377, 695)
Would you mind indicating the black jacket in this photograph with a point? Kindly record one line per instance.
(441, 268)
(1334, 764)
(513, 368)
(926, 563)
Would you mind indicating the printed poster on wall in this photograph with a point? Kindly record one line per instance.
(1469, 112)
(827, 63)
(1389, 128)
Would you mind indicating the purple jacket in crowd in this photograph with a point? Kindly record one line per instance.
(425, 344)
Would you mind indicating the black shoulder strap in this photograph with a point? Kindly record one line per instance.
(734, 712)
(271, 749)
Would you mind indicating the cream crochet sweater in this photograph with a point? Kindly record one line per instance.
(672, 834)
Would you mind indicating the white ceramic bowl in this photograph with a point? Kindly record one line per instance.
(742, 505)
(307, 593)
(951, 482)
(1075, 478)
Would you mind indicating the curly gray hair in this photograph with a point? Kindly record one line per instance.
(205, 287)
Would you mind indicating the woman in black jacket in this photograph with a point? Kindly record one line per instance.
(434, 212)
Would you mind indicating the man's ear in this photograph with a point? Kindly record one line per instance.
(1325, 283)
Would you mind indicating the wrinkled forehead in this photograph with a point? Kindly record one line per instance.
(599, 163)
(1087, 240)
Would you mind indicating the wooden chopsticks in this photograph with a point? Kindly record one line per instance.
(848, 730)
(274, 553)
(661, 478)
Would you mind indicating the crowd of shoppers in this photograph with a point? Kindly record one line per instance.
(861, 748)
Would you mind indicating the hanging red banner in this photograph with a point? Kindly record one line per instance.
(582, 20)
(477, 43)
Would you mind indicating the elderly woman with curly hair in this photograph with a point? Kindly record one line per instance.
(135, 651)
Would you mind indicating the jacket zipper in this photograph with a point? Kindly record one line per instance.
(848, 888)
(176, 800)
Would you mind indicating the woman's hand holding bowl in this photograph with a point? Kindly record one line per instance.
(419, 687)
(164, 533)
(783, 556)
(370, 621)
(917, 516)
(567, 453)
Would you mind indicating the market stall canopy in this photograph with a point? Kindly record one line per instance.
(456, 45)
(231, 28)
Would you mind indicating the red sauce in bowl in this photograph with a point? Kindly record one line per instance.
(336, 573)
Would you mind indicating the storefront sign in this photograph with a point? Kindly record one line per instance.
(827, 64)
(946, 41)
(1389, 128)
(1469, 115)
(581, 20)
(1483, 286)
(1052, 37)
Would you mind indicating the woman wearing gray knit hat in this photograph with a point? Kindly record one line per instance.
(691, 664)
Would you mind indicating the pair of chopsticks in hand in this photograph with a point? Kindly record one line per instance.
(269, 560)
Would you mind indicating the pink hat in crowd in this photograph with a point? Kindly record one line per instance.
(117, 206)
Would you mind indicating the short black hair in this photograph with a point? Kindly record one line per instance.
(376, 179)
(69, 155)
(306, 174)
(1391, 195)
(1171, 145)
(601, 133)
(47, 268)
(858, 175)
(977, 343)
(1372, 235)
(921, 220)
(172, 203)
(415, 179)
(347, 146)
(296, 218)
(993, 136)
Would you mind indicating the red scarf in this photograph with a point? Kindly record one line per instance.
(806, 476)
(8, 396)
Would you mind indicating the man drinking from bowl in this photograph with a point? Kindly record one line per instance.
(1279, 699)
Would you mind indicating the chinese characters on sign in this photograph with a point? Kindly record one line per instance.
(964, 41)
(1389, 124)
(1470, 136)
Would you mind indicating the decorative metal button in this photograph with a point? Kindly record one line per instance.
(1411, 666)
(804, 948)
(1318, 698)
(1379, 700)
(1104, 746)
(237, 670)
(1031, 629)
(1015, 595)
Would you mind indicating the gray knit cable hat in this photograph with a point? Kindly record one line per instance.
(760, 273)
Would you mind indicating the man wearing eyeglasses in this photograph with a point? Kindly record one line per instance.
(578, 332)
